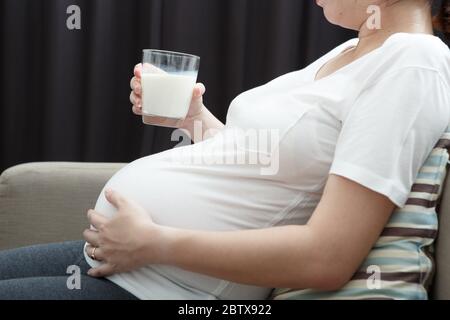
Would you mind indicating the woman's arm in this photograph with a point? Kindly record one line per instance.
(202, 126)
(323, 254)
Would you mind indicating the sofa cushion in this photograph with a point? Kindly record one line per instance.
(400, 265)
(441, 283)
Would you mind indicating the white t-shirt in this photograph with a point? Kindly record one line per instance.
(374, 121)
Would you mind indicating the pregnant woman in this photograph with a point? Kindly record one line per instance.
(353, 129)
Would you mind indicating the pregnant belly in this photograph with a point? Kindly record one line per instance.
(189, 197)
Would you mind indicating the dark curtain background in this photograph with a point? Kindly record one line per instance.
(64, 93)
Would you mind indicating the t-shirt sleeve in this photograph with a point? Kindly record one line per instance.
(391, 129)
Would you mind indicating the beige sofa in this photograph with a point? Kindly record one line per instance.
(47, 202)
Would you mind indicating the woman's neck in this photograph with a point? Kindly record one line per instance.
(411, 16)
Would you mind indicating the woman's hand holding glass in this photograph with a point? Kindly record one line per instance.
(195, 109)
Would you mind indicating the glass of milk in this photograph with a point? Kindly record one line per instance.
(168, 81)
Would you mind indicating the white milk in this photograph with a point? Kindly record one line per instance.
(167, 95)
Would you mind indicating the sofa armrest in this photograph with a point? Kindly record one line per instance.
(47, 202)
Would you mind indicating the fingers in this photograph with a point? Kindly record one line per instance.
(115, 199)
(135, 95)
(135, 85)
(102, 271)
(199, 90)
(97, 220)
(98, 253)
(135, 100)
(91, 237)
(138, 70)
(137, 111)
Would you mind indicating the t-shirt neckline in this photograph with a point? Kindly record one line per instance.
(353, 43)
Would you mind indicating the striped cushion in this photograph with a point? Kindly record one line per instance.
(401, 258)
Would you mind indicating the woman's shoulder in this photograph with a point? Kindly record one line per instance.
(421, 51)
(423, 42)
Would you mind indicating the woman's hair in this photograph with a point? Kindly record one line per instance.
(442, 19)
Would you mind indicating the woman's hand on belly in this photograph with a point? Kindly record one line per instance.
(126, 242)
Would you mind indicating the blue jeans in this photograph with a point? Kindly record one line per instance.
(44, 272)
